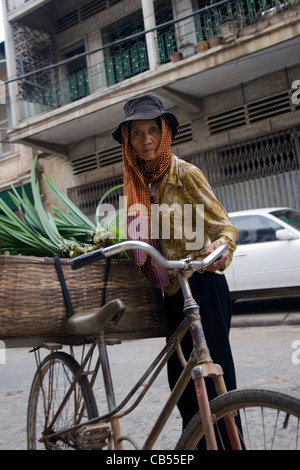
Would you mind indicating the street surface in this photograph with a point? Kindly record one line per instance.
(265, 357)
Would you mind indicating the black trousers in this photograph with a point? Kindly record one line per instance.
(211, 293)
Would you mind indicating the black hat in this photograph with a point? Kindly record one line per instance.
(144, 108)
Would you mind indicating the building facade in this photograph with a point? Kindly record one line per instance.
(15, 159)
(233, 86)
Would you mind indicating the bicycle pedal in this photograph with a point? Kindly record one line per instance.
(93, 436)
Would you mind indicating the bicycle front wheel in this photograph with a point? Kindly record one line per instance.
(270, 420)
(50, 385)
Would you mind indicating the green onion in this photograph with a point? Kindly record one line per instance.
(64, 232)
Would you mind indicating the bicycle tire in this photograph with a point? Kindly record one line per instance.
(280, 412)
(49, 385)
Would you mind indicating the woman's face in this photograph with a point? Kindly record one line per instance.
(145, 138)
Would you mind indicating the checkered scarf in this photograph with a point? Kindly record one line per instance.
(138, 174)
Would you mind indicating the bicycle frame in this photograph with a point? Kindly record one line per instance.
(115, 413)
(47, 423)
(198, 366)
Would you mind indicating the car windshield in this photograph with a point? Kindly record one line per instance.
(290, 216)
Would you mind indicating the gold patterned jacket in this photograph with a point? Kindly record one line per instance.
(196, 219)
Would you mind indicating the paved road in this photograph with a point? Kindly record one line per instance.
(263, 357)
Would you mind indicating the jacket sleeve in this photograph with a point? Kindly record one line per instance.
(217, 224)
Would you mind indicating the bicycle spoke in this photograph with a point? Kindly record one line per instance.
(269, 421)
(266, 426)
(47, 418)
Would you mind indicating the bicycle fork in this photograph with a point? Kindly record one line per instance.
(205, 368)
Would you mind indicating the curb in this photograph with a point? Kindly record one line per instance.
(243, 321)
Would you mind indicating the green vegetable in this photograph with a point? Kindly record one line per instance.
(67, 232)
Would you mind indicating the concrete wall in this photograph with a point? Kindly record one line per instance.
(265, 86)
(59, 169)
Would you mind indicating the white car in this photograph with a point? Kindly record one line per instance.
(267, 259)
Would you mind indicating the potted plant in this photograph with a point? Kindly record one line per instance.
(281, 12)
(262, 23)
(250, 28)
(187, 49)
(203, 46)
(175, 56)
(215, 41)
(229, 28)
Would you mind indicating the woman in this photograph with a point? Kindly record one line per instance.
(153, 175)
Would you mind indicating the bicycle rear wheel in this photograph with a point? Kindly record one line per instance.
(50, 384)
(270, 420)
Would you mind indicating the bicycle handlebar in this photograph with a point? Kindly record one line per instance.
(182, 264)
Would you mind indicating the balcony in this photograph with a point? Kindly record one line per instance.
(80, 96)
(85, 82)
(119, 67)
(92, 79)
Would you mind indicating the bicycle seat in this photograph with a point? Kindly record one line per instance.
(88, 323)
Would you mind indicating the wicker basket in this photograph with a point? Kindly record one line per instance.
(32, 303)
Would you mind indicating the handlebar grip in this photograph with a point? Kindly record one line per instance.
(215, 255)
(87, 258)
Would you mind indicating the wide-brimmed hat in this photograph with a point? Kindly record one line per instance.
(143, 108)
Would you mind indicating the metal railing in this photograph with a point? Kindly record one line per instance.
(116, 68)
(259, 164)
(110, 71)
(85, 82)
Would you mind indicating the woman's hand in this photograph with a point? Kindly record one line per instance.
(219, 264)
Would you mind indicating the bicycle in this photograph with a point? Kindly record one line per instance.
(62, 410)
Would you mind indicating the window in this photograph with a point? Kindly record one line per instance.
(289, 216)
(5, 147)
(77, 82)
(255, 229)
(128, 57)
(166, 36)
